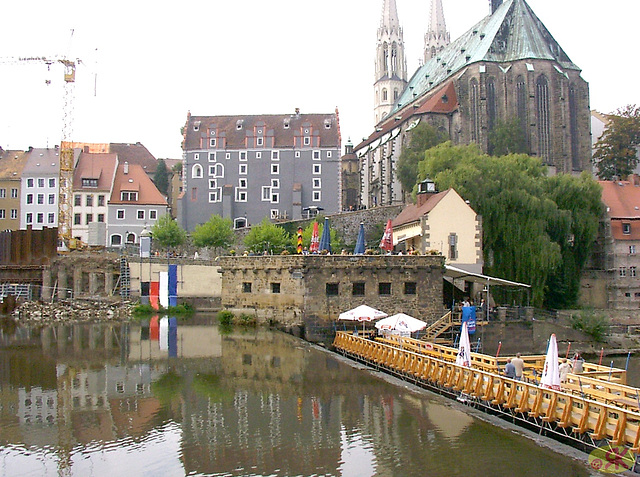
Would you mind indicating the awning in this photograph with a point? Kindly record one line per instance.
(454, 272)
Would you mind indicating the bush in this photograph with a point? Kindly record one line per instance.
(225, 317)
(596, 326)
(140, 309)
(248, 320)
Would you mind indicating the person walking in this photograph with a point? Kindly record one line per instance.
(518, 364)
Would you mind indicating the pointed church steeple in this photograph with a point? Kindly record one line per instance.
(437, 36)
(391, 63)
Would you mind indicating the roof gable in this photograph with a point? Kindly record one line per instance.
(133, 178)
(95, 166)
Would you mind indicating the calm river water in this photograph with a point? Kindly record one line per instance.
(140, 400)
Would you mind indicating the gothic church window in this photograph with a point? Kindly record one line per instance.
(384, 94)
(474, 94)
(544, 129)
(521, 106)
(491, 102)
(394, 58)
(573, 122)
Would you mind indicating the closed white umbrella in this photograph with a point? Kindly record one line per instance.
(401, 322)
(551, 372)
(464, 348)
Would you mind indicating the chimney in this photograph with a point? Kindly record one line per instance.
(126, 167)
(86, 149)
(297, 112)
(426, 189)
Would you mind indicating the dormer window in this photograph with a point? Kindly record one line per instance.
(327, 123)
(626, 228)
(239, 123)
(126, 196)
(286, 123)
(86, 182)
(196, 126)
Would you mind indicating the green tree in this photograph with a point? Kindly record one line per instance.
(161, 177)
(217, 232)
(529, 220)
(167, 233)
(267, 237)
(616, 152)
(507, 137)
(423, 137)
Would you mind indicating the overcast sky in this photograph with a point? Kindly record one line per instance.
(145, 64)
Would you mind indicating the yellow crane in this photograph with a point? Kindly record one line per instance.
(65, 196)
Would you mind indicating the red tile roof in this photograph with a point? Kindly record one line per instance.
(135, 154)
(622, 199)
(444, 100)
(95, 166)
(135, 180)
(413, 212)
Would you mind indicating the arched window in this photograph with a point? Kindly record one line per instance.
(394, 59)
(240, 223)
(433, 52)
(196, 171)
(544, 129)
(474, 100)
(385, 58)
(384, 94)
(521, 107)
(396, 93)
(219, 170)
(131, 237)
(576, 163)
(491, 103)
(116, 240)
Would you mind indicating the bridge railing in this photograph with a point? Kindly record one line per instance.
(579, 415)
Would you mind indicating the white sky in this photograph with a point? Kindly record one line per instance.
(157, 60)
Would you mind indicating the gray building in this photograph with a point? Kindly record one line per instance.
(247, 168)
(39, 189)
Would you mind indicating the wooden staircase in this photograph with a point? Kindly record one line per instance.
(434, 331)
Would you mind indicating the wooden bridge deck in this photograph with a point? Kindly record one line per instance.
(590, 412)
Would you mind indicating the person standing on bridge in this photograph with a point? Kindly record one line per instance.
(518, 363)
(510, 369)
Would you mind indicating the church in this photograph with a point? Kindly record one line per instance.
(507, 67)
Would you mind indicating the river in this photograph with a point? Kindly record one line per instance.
(138, 400)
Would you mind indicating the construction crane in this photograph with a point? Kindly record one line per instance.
(65, 183)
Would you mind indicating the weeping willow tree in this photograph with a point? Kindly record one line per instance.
(532, 224)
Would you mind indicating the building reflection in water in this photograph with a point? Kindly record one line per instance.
(190, 399)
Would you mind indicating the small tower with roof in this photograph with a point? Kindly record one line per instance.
(391, 64)
(437, 36)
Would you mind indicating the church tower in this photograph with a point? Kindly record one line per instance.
(437, 36)
(391, 64)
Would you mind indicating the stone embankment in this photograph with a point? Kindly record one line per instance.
(78, 311)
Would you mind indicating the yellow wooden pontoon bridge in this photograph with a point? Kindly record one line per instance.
(594, 409)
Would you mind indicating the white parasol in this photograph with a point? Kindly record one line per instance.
(464, 348)
(401, 322)
(551, 373)
(362, 313)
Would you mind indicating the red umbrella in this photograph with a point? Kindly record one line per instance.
(315, 239)
(387, 239)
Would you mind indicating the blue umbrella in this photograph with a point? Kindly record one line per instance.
(325, 240)
(359, 250)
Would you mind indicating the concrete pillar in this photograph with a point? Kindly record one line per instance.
(46, 291)
(77, 281)
(93, 283)
(108, 282)
(502, 313)
(62, 283)
(528, 313)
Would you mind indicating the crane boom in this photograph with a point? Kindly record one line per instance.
(65, 181)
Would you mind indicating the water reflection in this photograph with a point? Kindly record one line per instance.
(161, 398)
